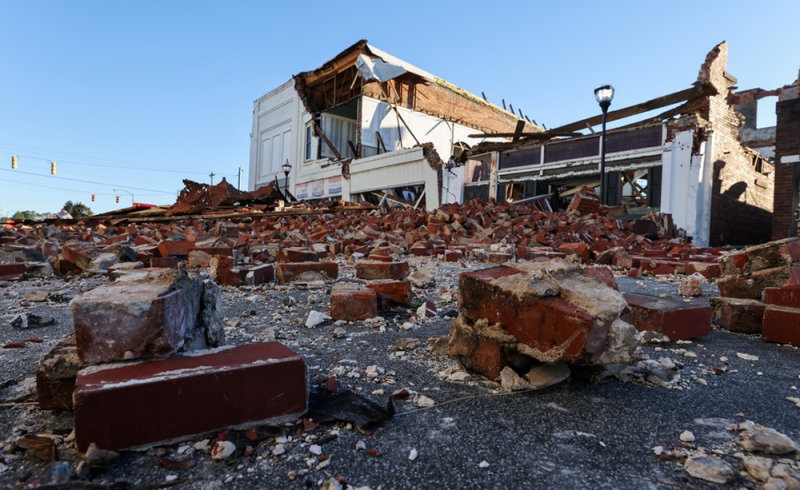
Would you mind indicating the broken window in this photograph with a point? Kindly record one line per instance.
(766, 117)
(309, 141)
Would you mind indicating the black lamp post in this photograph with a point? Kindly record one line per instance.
(604, 95)
(286, 169)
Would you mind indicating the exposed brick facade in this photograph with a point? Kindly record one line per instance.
(741, 201)
(787, 143)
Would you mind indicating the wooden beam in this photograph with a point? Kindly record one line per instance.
(700, 90)
(528, 134)
(404, 123)
(518, 131)
(380, 141)
(326, 140)
(353, 149)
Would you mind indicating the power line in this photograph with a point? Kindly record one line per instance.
(89, 157)
(86, 181)
(112, 166)
(56, 188)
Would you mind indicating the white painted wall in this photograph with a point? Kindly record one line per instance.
(274, 135)
(687, 185)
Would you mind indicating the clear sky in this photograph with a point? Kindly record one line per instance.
(139, 95)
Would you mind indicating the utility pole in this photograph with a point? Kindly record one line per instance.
(240, 178)
(212, 177)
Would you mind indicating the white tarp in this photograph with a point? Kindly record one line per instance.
(377, 69)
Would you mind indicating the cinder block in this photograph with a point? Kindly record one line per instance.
(123, 406)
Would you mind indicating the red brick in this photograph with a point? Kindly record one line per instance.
(292, 271)
(261, 273)
(452, 255)
(708, 270)
(579, 249)
(781, 325)
(12, 272)
(174, 398)
(164, 262)
(371, 269)
(478, 353)
(603, 275)
(352, 302)
(546, 324)
(141, 314)
(773, 254)
(788, 296)
(585, 201)
(169, 248)
(753, 286)
(391, 293)
(675, 319)
(737, 315)
(380, 258)
(296, 255)
(498, 257)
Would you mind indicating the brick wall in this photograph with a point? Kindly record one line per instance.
(787, 143)
(440, 99)
(742, 197)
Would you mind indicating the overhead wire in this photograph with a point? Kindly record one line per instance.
(86, 181)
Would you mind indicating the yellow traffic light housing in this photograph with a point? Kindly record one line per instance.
(14, 162)
(53, 167)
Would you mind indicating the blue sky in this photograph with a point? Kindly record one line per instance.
(139, 95)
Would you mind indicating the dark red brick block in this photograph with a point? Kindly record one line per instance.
(788, 296)
(782, 325)
(299, 271)
(603, 275)
(372, 269)
(452, 255)
(261, 274)
(175, 398)
(675, 319)
(476, 352)
(391, 293)
(181, 248)
(753, 286)
(737, 315)
(296, 255)
(352, 302)
(164, 262)
(12, 272)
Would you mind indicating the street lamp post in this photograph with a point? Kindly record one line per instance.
(129, 192)
(286, 169)
(604, 95)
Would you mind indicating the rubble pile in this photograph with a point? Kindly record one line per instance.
(760, 291)
(538, 312)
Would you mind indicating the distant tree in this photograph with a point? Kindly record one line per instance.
(78, 209)
(29, 215)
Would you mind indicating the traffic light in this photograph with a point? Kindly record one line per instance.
(117, 198)
(92, 197)
(14, 161)
(53, 167)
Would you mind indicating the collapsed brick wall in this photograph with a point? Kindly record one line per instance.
(787, 143)
(742, 197)
(441, 99)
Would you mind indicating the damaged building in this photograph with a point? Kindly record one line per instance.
(366, 124)
(704, 160)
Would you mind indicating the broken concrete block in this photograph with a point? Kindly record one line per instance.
(752, 286)
(353, 302)
(548, 310)
(675, 319)
(306, 271)
(56, 374)
(116, 270)
(737, 315)
(142, 314)
(422, 279)
(391, 293)
(373, 269)
(782, 315)
(691, 286)
(134, 404)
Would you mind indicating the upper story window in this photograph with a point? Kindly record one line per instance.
(309, 141)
